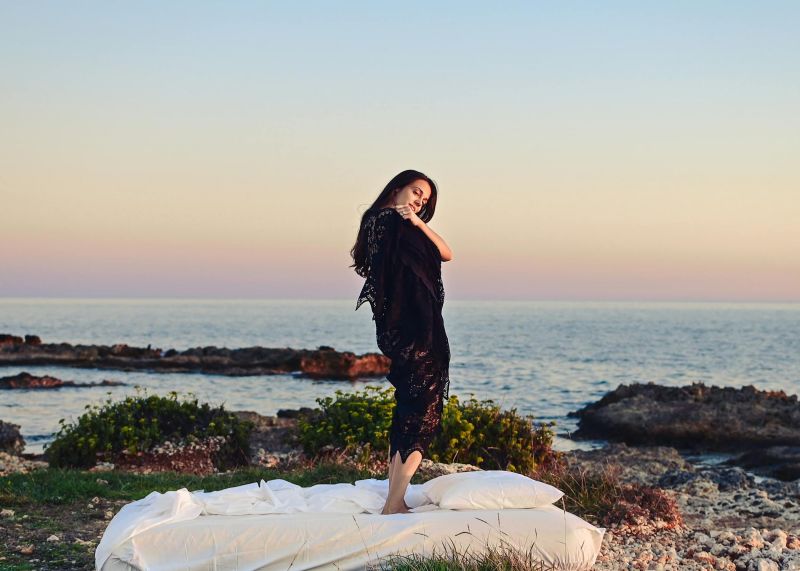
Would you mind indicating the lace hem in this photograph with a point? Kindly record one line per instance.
(406, 452)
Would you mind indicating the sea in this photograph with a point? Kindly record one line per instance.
(543, 358)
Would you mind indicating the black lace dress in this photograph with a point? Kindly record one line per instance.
(404, 288)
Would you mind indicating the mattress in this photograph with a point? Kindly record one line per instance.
(175, 531)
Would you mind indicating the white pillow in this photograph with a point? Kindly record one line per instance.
(489, 490)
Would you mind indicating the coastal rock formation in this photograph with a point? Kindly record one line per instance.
(643, 465)
(761, 428)
(11, 440)
(328, 363)
(693, 417)
(6, 339)
(27, 381)
(323, 362)
(782, 462)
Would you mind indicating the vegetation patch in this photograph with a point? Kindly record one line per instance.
(117, 431)
(474, 432)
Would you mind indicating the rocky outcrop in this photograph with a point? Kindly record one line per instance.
(323, 362)
(631, 464)
(327, 363)
(11, 440)
(782, 462)
(693, 417)
(762, 428)
(27, 381)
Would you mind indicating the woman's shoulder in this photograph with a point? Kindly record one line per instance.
(385, 215)
(386, 210)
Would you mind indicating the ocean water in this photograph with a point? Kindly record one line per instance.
(542, 358)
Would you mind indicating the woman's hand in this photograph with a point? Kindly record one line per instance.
(408, 213)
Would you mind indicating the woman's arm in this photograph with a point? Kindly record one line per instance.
(444, 250)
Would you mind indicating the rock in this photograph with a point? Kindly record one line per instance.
(632, 464)
(752, 538)
(782, 462)
(6, 339)
(700, 418)
(718, 478)
(766, 565)
(778, 539)
(276, 460)
(27, 381)
(294, 413)
(11, 440)
(53, 538)
(6, 513)
(22, 464)
(102, 467)
(429, 469)
(693, 417)
(323, 362)
(329, 364)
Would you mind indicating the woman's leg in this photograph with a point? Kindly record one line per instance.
(414, 423)
(402, 472)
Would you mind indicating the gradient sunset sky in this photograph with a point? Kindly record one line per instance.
(583, 150)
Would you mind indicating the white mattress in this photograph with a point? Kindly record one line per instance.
(178, 534)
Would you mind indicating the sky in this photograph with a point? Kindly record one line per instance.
(582, 150)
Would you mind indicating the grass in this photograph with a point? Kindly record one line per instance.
(64, 486)
(450, 559)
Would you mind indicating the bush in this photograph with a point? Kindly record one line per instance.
(476, 432)
(139, 423)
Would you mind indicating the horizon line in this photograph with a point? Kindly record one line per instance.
(488, 300)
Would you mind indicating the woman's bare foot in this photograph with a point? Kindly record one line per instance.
(404, 509)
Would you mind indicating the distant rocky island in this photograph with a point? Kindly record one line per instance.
(25, 380)
(323, 362)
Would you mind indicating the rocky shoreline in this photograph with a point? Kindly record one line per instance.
(324, 362)
(732, 520)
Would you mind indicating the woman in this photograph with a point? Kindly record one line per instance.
(400, 257)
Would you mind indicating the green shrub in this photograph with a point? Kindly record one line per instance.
(475, 432)
(138, 423)
(349, 420)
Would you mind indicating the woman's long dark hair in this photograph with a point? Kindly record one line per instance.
(359, 251)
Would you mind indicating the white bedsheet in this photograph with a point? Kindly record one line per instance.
(277, 524)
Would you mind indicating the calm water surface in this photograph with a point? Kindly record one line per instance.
(544, 358)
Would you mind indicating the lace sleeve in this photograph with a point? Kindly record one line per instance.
(381, 233)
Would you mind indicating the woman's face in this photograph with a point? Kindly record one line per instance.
(416, 195)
